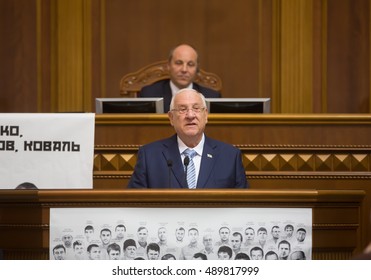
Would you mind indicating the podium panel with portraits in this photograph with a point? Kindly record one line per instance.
(47, 224)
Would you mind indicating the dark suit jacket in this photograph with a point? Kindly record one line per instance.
(221, 166)
(162, 89)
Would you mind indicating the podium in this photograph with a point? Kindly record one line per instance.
(279, 151)
(336, 214)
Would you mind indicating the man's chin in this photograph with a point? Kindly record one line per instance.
(191, 133)
(183, 84)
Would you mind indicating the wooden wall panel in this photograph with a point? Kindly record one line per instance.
(310, 56)
(18, 56)
(226, 33)
(70, 55)
(296, 55)
(319, 56)
(44, 56)
(348, 56)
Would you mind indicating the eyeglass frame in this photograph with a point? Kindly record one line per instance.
(183, 111)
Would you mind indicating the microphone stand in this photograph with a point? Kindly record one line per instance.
(170, 165)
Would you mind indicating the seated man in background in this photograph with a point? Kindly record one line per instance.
(183, 66)
(188, 159)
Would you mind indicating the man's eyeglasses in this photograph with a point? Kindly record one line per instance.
(184, 110)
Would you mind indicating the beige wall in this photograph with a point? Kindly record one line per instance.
(309, 56)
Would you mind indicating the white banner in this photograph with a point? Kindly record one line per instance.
(180, 233)
(49, 151)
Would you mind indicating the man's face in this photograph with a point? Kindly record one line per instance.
(162, 234)
(120, 232)
(297, 256)
(114, 255)
(256, 255)
(59, 254)
(223, 256)
(183, 66)
(300, 235)
(250, 234)
(224, 234)
(289, 231)
(208, 241)
(271, 257)
(94, 253)
(130, 252)
(276, 232)
(79, 249)
(105, 236)
(236, 242)
(193, 236)
(89, 233)
(142, 235)
(189, 125)
(262, 235)
(179, 234)
(284, 250)
(152, 254)
(67, 240)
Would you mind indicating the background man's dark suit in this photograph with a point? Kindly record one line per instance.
(221, 166)
(162, 89)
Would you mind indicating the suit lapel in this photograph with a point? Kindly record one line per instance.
(167, 96)
(210, 155)
(171, 152)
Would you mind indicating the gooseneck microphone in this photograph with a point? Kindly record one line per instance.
(186, 163)
(169, 165)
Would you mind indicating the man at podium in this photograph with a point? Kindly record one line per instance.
(189, 159)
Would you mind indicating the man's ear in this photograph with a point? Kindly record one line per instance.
(170, 115)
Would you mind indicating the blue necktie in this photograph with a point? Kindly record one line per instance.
(191, 170)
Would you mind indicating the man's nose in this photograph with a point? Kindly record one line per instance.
(190, 113)
(184, 68)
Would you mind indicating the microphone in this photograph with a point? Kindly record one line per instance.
(186, 162)
(169, 165)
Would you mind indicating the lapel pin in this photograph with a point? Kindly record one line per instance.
(210, 156)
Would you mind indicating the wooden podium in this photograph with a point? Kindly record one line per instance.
(24, 214)
(279, 151)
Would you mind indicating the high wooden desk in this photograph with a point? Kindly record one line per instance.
(24, 214)
(241, 129)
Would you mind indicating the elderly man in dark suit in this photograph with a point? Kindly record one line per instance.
(182, 66)
(188, 159)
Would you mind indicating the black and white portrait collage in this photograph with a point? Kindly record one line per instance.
(180, 233)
